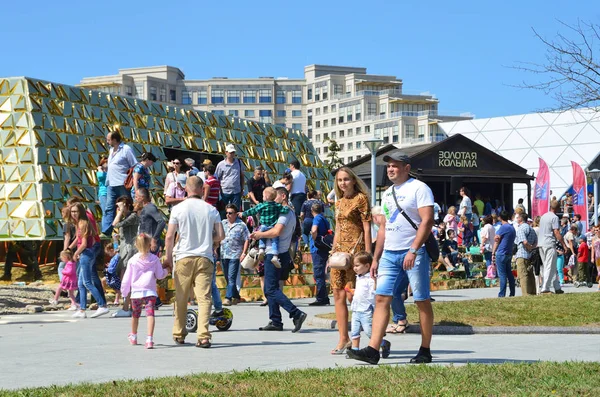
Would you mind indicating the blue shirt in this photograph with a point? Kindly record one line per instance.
(101, 183)
(144, 179)
(236, 235)
(507, 234)
(119, 162)
(322, 225)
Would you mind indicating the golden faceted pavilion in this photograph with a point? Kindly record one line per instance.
(52, 137)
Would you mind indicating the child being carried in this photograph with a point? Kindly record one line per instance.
(268, 212)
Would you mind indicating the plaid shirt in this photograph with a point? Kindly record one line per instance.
(269, 212)
(525, 232)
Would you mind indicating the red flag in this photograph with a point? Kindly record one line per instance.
(580, 195)
(541, 195)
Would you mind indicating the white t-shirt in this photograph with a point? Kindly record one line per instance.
(466, 204)
(412, 195)
(489, 232)
(299, 182)
(196, 220)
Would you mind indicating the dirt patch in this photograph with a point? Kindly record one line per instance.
(14, 298)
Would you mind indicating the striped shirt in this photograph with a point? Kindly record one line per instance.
(213, 193)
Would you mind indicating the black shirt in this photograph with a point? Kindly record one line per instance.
(257, 186)
(446, 247)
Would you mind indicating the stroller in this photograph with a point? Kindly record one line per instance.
(222, 322)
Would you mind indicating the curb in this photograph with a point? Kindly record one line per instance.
(324, 323)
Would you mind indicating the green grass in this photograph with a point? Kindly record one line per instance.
(544, 378)
(545, 310)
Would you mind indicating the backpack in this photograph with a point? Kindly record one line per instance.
(325, 242)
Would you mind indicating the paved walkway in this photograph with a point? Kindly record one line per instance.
(52, 348)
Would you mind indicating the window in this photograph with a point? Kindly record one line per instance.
(219, 112)
(341, 119)
(317, 94)
(409, 130)
(348, 89)
(265, 113)
(318, 138)
(309, 94)
(383, 108)
(325, 149)
(337, 89)
(297, 126)
(325, 123)
(333, 121)
(357, 111)
(395, 139)
(318, 150)
(186, 97)
(349, 118)
(216, 96)
(309, 120)
(249, 96)
(280, 96)
(341, 133)
(357, 116)
(128, 90)
(325, 137)
(333, 135)
(317, 111)
(202, 98)
(386, 139)
(139, 90)
(333, 108)
(280, 113)
(153, 93)
(296, 113)
(421, 131)
(264, 96)
(281, 125)
(358, 145)
(297, 96)
(350, 159)
(325, 89)
(233, 97)
(367, 129)
(349, 132)
(371, 109)
(318, 124)
(342, 146)
(350, 146)
(325, 109)
(233, 113)
(173, 95)
(248, 113)
(163, 95)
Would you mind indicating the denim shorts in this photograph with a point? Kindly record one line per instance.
(364, 319)
(391, 271)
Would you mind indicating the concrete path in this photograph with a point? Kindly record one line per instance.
(52, 348)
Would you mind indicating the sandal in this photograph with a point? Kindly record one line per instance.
(179, 341)
(397, 328)
(204, 343)
(338, 352)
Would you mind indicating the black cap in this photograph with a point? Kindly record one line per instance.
(397, 156)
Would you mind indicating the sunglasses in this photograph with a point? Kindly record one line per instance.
(176, 163)
(230, 213)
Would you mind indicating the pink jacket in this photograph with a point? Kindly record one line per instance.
(142, 273)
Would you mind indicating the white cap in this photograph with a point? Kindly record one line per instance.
(277, 185)
(230, 148)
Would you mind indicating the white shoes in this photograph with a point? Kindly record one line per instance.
(276, 262)
(53, 302)
(122, 313)
(79, 314)
(72, 308)
(100, 312)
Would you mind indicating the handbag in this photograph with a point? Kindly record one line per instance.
(129, 178)
(343, 260)
(325, 242)
(431, 244)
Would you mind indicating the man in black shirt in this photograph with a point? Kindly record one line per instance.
(152, 222)
(257, 184)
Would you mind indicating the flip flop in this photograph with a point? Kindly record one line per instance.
(391, 329)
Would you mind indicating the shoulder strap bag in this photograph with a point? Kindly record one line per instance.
(343, 260)
(431, 245)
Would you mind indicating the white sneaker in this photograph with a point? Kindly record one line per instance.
(121, 313)
(53, 302)
(79, 314)
(100, 312)
(276, 262)
(72, 308)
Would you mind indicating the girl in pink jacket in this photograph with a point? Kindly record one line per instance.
(143, 269)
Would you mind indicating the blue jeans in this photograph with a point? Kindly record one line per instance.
(102, 200)
(275, 296)
(505, 272)
(216, 295)
(297, 200)
(88, 279)
(319, 260)
(274, 241)
(560, 264)
(364, 319)
(235, 198)
(231, 268)
(398, 308)
(112, 194)
(488, 259)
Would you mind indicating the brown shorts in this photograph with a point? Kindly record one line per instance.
(339, 279)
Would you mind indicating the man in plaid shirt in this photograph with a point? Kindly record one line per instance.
(268, 212)
(526, 240)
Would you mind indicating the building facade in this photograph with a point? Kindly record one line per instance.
(344, 104)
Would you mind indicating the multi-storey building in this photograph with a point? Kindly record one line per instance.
(344, 104)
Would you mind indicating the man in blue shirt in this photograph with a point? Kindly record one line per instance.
(320, 227)
(502, 254)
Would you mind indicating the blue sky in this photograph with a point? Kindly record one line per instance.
(460, 51)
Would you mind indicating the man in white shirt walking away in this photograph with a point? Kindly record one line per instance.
(549, 234)
(298, 190)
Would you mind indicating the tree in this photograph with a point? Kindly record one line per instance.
(333, 161)
(571, 71)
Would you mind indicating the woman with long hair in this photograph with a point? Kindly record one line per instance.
(352, 234)
(88, 280)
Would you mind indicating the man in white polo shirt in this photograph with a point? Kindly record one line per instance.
(298, 190)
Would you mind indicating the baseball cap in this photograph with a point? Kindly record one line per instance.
(397, 156)
(207, 162)
(277, 185)
(230, 148)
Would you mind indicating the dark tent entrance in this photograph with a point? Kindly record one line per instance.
(448, 165)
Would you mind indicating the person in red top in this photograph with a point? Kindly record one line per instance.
(583, 257)
(212, 186)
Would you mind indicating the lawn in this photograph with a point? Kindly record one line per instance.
(544, 378)
(544, 310)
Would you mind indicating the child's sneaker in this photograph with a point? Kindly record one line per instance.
(53, 302)
(132, 339)
(149, 343)
(385, 348)
(72, 308)
(276, 262)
